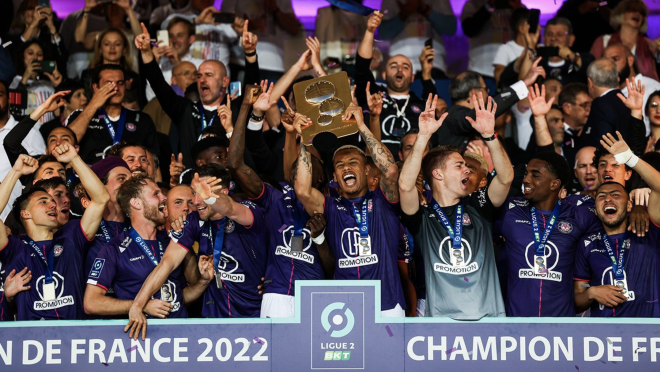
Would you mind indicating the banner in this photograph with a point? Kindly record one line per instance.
(337, 327)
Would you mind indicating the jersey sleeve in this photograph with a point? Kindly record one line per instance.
(265, 199)
(582, 271)
(10, 256)
(586, 214)
(259, 222)
(413, 222)
(498, 225)
(190, 233)
(74, 233)
(481, 202)
(380, 194)
(104, 268)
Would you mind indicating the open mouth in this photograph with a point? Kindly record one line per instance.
(609, 210)
(52, 214)
(204, 90)
(202, 209)
(398, 78)
(64, 212)
(350, 180)
(607, 178)
(527, 190)
(161, 207)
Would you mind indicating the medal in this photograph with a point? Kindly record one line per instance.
(296, 243)
(166, 292)
(618, 262)
(541, 239)
(49, 291)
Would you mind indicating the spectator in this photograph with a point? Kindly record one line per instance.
(652, 111)
(575, 103)
(629, 20)
(510, 51)
(135, 157)
(627, 67)
(590, 19)
(585, 171)
(410, 23)
(339, 33)
(162, 12)
(79, 55)
(37, 23)
(487, 24)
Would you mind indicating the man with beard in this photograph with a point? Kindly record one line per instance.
(616, 273)
(126, 261)
(134, 155)
(105, 122)
(363, 226)
(231, 236)
(453, 231)
(625, 64)
(54, 255)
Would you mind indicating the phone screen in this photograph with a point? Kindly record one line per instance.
(534, 16)
(235, 88)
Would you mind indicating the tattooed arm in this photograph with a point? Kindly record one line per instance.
(380, 154)
(311, 198)
(245, 176)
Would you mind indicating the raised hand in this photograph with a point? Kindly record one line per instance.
(249, 39)
(264, 103)
(615, 147)
(52, 103)
(485, 116)
(207, 187)
(534, 72)
(25, 165)
(102, 95)
(635, 100)
(143, 41)
(353, 111)
(224, 113)
(374, 21)
(537, 102)
(304, 61)
(206, 16)
(314, 45)
(475, 149)
(205, 266)
(65, 153)
(427, 123)
(287, 117)
(316, 224)
(176, 168)
(300, 121)
(17, 282)
(426, 61)
(374, 101)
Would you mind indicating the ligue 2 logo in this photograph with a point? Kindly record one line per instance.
(347, 320)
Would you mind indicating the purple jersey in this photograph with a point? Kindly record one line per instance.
(68, 246)
(6, 256)
(286, 266)
(531, 294)
(403, 254)
(241, 266)
(107, 231)
(344, 240)
(123, 266)
(641, 270)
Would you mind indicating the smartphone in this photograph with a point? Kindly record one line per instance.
(547, 52)
(533, 20)
(429, 42)
(224, 17)
(47, 66)
(164, 37)
(235, 86)
(44, 3)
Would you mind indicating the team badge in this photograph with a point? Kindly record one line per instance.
(131, 127)
(57, 250)
(370, 205)
(229, 227)
(466, 220)
(565, 227)
(416, 109)
(232, 185)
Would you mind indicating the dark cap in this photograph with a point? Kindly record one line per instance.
(103, 167)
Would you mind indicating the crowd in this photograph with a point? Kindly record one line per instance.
(152, 164)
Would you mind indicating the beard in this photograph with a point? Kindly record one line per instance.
(617, 222)
(624, 74)
(152, 214)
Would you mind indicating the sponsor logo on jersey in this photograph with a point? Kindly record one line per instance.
(455, 261)
(565, 227)
(227, 265)
(59, 301)
(551, 255)
(287, 236)
(523, 221)
(350, 246)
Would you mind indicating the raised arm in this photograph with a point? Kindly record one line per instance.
(221, 202)
(366, 48)
(413, 164)
(623, 155)
(380, 154)
(24, 165)
(292, 123)
(540, 108)
(635, 102)
(91, 219)
(311, 198)
(81, 122)
(485, 125)
(375, 104)
(245, 176)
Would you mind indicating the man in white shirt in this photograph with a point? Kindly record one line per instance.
(625, 64)
(510, 51)
(33, 142)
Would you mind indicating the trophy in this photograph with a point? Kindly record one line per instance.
(324, 100)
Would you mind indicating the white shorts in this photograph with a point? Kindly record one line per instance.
(396, 312)
(421, 307)
(275, 305)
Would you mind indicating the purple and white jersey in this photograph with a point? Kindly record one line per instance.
(284, 265)
(6, 256)
(343, 237)
(107, 231)
(532, 294)
(68, 246)
(641, 271)
(241, 266)
(123, 266)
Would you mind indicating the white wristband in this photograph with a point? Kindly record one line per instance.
(229, 135)
(210, 200)
(319, 239)
(627, 157)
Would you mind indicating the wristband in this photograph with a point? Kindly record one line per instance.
(229, 135)
(627, 157)
(253, 53)
(256, 118)
(319, 239)
(491, 138)
(210, 201)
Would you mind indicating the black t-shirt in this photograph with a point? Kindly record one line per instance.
(138, 129)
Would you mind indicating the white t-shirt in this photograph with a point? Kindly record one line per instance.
(651, 85)
(508, 53)
(524, 128)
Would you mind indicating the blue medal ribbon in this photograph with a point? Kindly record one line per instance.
(456, 234)
(352, 6)
(48, 259)
(540, 241)
(201, 113)
(617, 264)
(298, 220)
(121, 123)
(142, 244)
(362, 216)
(218, 240)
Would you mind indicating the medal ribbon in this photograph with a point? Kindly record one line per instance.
(201, 113)
(47, 257)
(456, 234)
(539, 240)
(361, 217)
(218, 240)
(617, 264)
(352, 6)
(298, 219)
(142, 244)
(116, 136)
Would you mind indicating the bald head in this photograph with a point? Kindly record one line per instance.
(399, 74)
(184, 74)
(212, 82)
(624, 60)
